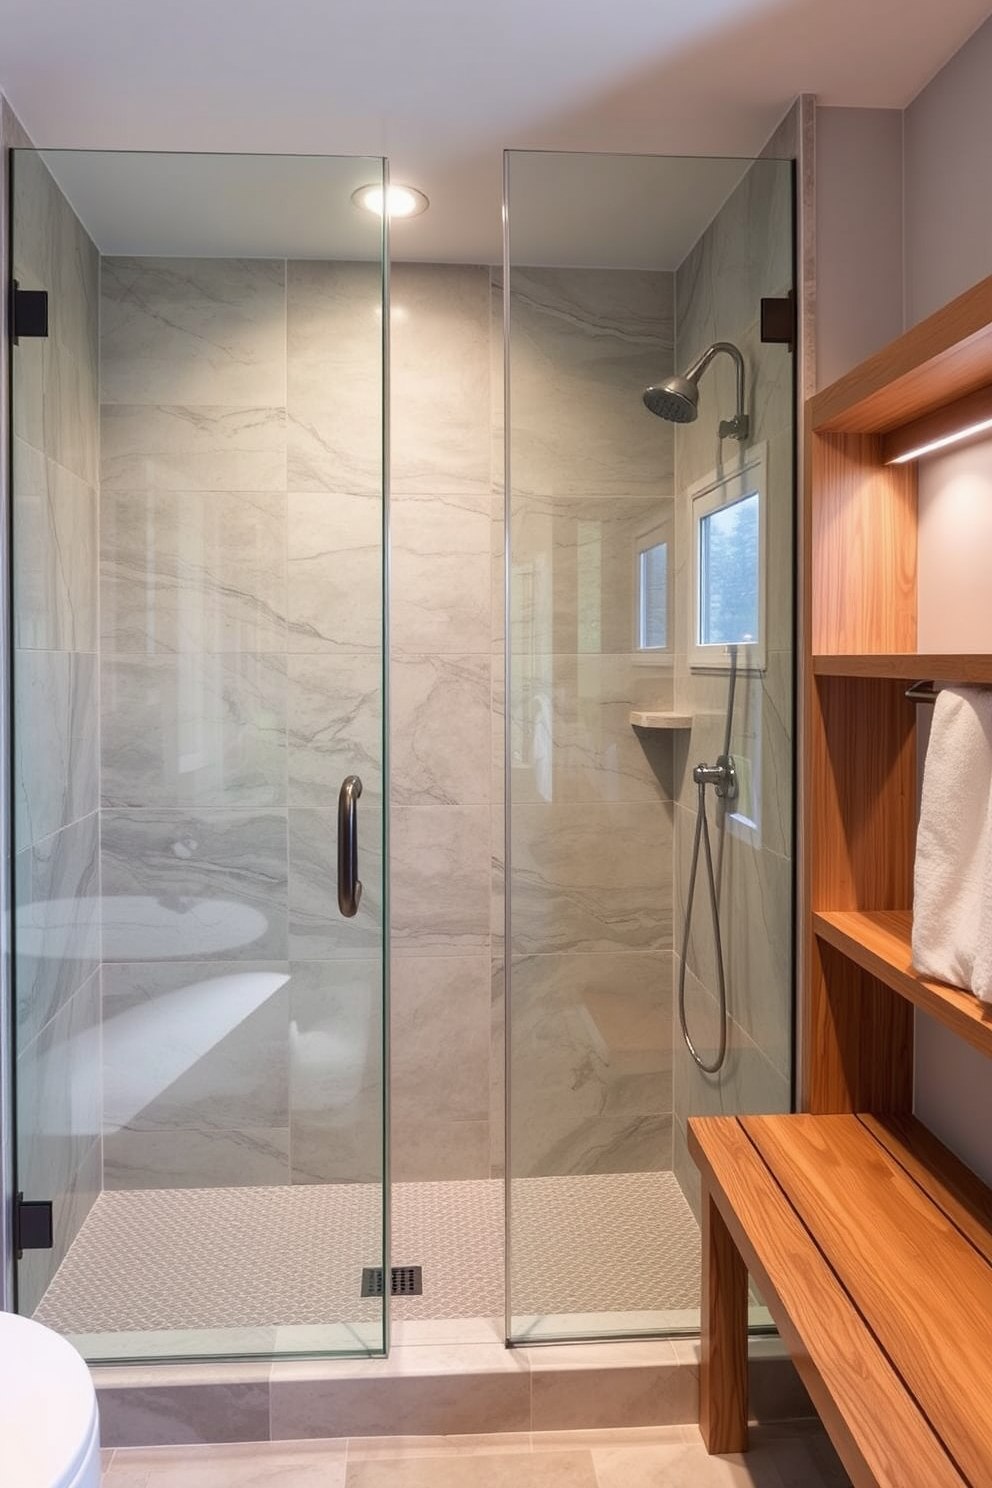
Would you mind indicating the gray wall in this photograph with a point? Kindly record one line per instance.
(746, 253)
(56, 765)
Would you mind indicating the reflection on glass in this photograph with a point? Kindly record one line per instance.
(653, 593)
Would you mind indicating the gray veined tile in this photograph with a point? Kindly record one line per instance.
(52, 251)
(335, 377)
(335, 726)
(441, 574)
(190, 1157)
(193, 571)
(441, 730)
(55, 406)
(194, 885)
(201, 1044)
(192, 447)
(594, 877)
(57, 915)
(440, 880)
(336, 1071)
(55, 546)
(440, 1012)
(317, 929)
(194, 730)
(439, 351)
(193, 330)
(336, 573)
(56, 742)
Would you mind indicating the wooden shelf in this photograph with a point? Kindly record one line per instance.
(944, 358)
(642, 719)
(907, 666)
(880, 943)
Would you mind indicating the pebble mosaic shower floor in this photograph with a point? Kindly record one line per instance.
(256, 1257)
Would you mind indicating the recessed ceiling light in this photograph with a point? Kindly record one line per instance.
(401, 201)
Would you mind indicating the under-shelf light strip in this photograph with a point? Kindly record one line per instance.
(942, 443)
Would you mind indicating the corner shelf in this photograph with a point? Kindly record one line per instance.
(880, 941)
(642, 719)
(907, 666)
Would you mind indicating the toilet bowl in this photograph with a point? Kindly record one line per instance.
(49, 1427)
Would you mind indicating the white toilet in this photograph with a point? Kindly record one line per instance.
(49, 1427)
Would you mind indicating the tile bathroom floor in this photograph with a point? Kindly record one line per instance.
(791, 1455)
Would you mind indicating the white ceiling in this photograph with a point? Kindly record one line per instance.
(443, 86)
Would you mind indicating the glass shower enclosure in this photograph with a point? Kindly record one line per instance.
(199, 753)
(637, 549)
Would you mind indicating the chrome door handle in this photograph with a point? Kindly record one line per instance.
(349, 886)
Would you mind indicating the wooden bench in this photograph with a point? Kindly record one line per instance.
(871, 1245)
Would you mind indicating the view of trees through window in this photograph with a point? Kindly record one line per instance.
(728, 573)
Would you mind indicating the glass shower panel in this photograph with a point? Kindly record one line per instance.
(198, 559)
(619, 273)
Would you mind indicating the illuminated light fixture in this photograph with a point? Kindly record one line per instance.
(401, 201)
(966, 418)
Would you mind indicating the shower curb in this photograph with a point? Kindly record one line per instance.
(440, 1390)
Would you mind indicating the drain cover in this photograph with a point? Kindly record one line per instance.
(405, 1281)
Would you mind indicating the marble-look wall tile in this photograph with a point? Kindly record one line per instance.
(183, 1157)
(51, 246)
(441, 574)
(194, 730)
(335, 377)
(336, 1072)
(441, 1017)
(748, 1082)
(335, 573)
(591, 1056)
(193, 330)
(584, 343)
(440, 880)
(317, 929)
(59, 1118)
(54, 401)
(187, 447)
(194, 885)
(198, 1044)
(56, 742)
(55, 572)
(441, 730)
(439, 355)
(193, 571)
(591, 877)
(334, 715)
(57, 916)
(433, 1150)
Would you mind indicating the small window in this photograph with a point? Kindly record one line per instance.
(653, 591)
(728, 566)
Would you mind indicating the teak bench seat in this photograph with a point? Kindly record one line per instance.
(872, 1247)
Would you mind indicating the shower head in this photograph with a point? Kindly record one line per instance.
(677, 398)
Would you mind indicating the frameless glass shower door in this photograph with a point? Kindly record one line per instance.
(638, 547)
(199, 917)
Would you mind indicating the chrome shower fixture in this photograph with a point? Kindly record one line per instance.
(677, 398)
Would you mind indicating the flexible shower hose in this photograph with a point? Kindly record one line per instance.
(702, 831)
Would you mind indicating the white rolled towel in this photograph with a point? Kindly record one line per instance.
(952, 889)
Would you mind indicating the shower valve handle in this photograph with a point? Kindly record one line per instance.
(722, 775)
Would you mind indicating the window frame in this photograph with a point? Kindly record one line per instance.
(720, 489)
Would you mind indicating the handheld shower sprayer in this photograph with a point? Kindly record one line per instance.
(677, 398)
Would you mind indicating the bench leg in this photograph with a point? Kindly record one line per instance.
(723, 1378)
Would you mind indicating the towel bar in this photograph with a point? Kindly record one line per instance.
(922, 692)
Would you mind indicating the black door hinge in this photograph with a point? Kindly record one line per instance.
(33, 1227)
(28, 312)
(778, 320)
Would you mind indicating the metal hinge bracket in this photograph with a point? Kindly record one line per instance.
(28, 312)
(33, 1225)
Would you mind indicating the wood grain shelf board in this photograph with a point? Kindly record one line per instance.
(645, 719)
(879, 941)
(907, 667)
(945, 357)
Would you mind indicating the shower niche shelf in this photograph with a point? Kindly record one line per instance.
(645, 719)
(859, 760)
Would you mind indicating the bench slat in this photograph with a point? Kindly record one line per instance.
(924, 1291)
(879, 1432)
(963, 1197)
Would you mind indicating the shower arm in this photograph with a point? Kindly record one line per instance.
(740, 425)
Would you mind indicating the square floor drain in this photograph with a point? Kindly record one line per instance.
(405, 1281)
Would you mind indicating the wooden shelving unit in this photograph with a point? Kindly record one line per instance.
(858, 788)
